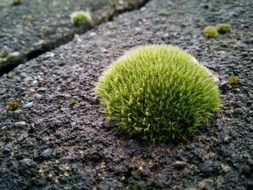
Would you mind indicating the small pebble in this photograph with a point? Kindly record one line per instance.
(34, 82)
(93, 34)
(28, 79)
(28, 105)
(38, 96)
(42, 89)
(179, 164)
(20, 124)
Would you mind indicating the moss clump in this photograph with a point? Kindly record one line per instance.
(12, 105)
(223, 28)
(233, 80)
(158, 92)
(80, 18)
(210, 32)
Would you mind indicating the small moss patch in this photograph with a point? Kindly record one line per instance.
(223, 28)
(233, 80)
(12, 105)
(210, 32)
(80, 18)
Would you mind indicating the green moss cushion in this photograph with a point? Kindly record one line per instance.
(158, 92)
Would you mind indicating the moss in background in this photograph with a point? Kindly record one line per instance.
(80, 18)
(210, 32)
(223, 28)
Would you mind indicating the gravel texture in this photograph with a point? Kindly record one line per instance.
(59, 138)
(36, 26)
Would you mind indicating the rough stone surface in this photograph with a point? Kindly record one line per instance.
(36, 26)
(74, 147)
